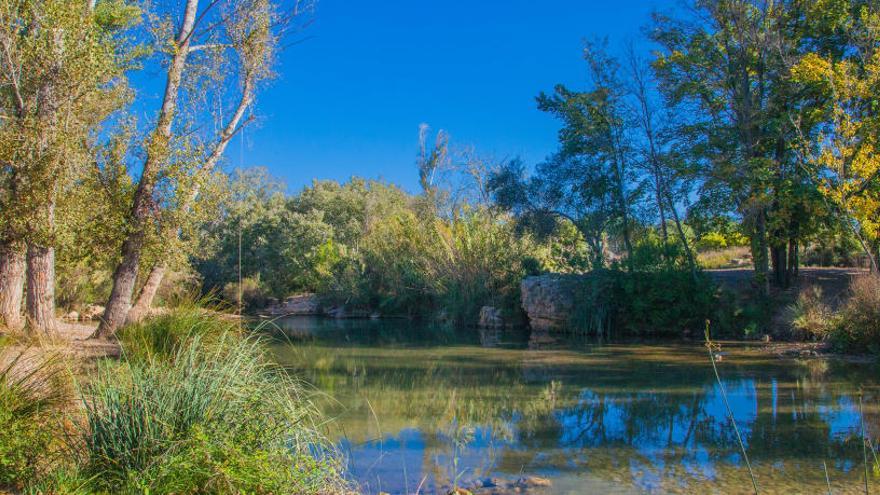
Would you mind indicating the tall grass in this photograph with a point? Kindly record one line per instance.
(32, 391)
(202, 412)
(161, 336)
(858, 325)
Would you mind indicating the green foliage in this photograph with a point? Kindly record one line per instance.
(32, 391)
(161, 337)
(253, 293)
(665, 301)
(418, 266)
(201, 413)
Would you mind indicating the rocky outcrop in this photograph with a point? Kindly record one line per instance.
(491, 317)
(548, 300)
(298, 305)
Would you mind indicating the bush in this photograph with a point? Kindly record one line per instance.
(712, 240)
(809, 317)
(663, 302)
(32, 390)
(253, 294)
(215, 417)
(858, 325)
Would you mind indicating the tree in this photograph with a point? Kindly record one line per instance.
(725, 67)
(657, 157)
(595, 131)
(61, 75)
(562, 188)
(235, 43)
(841, 149)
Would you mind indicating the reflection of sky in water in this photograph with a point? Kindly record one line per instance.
(620, 423)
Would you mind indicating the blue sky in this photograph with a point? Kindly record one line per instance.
(349, 99)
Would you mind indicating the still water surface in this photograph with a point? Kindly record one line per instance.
(416, 406)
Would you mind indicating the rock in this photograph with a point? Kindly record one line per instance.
(490, 317)
(73, 315)
(766, 338)
(92, 312)
(548, 300)
(460, 491)
(296, 305)
(532, 482)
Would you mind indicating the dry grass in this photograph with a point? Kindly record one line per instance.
(858, 328)
(732, 257)
(809, 317)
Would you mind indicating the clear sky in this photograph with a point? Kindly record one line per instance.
(350, 98)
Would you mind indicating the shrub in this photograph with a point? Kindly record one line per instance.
(809, 317)
(712, 240)
(858, 325)
(32, 390)
(253, 294)
(215, 417)
(662, 302)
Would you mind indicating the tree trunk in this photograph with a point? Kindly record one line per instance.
(659, 188)
(148, 293)
(12, 267)
(41, 289)
(125, 274)
(123, 286)
(792, 273)
(684, 242)
(759, 254)
(780, 265)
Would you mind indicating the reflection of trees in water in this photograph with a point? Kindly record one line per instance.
(643, 416)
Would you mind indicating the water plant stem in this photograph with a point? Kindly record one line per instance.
(711, 347)
(864, 443)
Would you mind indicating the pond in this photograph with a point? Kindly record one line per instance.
(416, 407)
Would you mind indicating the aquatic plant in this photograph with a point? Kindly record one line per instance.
(712, 347)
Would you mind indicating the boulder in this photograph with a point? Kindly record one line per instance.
(490, 317)
(91, 312)
(72, 316)
(548, 300)
(296, 305)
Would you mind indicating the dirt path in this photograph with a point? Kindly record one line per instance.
(834, 282)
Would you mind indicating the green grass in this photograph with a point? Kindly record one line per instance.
(160, 337)
(32, 391)
(193, 406)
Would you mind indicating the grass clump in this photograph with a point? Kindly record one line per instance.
(201, 413)
(857, 327)
(809, 316)
(161, 336)
(32, 393)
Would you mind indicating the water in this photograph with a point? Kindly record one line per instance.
(428, 408)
